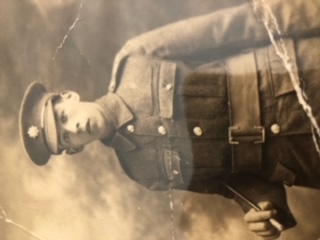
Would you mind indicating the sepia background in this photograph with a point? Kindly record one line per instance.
(70, 44)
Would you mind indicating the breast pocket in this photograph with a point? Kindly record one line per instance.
(147, 86)
(135, 85)
(166, 86)
(283, 108)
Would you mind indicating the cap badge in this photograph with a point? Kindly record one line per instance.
(33, 132)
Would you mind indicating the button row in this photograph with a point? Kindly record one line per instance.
(275, 129)
(163, 131)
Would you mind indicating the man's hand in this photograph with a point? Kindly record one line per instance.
(259, 222)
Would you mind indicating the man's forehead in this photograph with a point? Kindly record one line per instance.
(56, 108)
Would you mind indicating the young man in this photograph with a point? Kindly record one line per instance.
(213, 104)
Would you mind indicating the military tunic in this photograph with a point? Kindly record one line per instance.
(168, 101)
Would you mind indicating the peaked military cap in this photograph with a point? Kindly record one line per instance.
(37, 124)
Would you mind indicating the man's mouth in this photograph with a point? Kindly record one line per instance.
(88, 127)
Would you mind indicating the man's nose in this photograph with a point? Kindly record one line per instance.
(72, 127)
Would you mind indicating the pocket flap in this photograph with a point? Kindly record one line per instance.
(281, 80)
(172, 169)
(167, 74)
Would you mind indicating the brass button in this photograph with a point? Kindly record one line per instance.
(130, 128)
(162, 130)
(197, 131)
(169, 86)
(175, 172)
(275, 128)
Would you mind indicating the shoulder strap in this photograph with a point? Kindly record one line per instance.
(245, 133)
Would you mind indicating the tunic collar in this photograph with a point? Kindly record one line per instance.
(115, 108)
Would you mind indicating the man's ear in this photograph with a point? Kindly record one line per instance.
(71, 151)
(70, 95)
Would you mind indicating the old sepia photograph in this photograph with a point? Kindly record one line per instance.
(160, 120)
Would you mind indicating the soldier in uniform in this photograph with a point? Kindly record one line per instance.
(211, 104)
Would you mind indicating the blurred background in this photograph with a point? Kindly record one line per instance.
(70, 44)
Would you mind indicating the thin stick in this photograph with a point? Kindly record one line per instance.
(274, 222)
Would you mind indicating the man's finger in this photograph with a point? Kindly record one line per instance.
(272, 237)
(264, 230)
(254, 216)
(260, 226)
(268, 234)
(265, 205)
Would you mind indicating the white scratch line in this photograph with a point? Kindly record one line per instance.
(69, 31)
(9, 221)
(314, 138)
(173, 232)
(273, 29)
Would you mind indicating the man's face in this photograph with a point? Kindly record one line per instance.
(78, 123)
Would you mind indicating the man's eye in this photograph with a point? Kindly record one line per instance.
(63, 117)
(65, 137)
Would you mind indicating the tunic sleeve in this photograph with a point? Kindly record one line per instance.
(222, 33)
(233, 27)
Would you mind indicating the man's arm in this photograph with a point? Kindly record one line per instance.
(237, 26)
(222, 32)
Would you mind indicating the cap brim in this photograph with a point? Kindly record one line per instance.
(31, 115)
